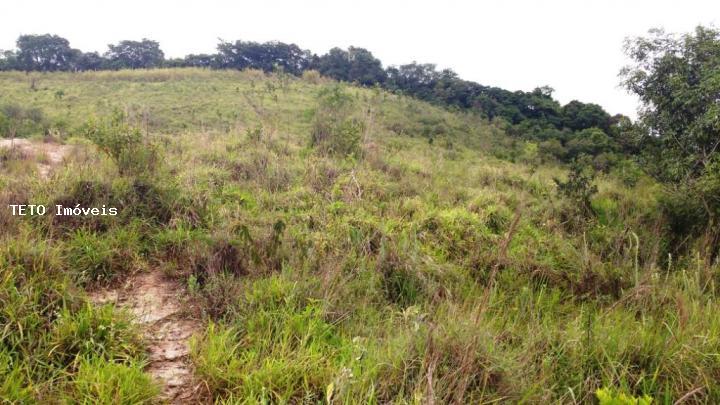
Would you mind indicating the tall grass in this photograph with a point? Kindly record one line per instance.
(431, 261)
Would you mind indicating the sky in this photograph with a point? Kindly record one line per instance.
(574, 47)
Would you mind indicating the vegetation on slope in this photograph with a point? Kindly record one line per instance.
(564, 131)
(342, 244)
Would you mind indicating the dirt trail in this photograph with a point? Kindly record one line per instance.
(153, 300)
(51, 154)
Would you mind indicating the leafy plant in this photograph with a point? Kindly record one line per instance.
(132, 153)
(607, 396)
(579, 187)
(335, 131)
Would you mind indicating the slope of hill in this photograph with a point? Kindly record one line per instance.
(335, 244)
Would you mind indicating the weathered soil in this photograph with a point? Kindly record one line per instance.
(52, 153)
(154, 302)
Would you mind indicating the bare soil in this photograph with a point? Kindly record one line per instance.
(49, 154)
(154, 302)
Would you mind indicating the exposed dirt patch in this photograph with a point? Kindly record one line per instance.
(47, 154)
(154, 301)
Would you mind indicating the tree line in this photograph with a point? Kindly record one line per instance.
(563, 131)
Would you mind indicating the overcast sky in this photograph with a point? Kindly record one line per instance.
(573, 46)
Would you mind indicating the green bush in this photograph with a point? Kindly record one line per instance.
(133, 154)
(335, 131)
(579, 187)
(21, 122)
(607, 396)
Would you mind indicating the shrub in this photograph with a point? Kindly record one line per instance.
(402, 282)
(335, 131)
(18, 121)
(311, 76)
(607, 396)
(579, 187)
(552, 148)
(628, 172)
(130, 151)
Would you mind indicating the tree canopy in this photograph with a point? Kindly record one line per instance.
(45, 53)
(135, 54)
(677, 78)
(266, 56)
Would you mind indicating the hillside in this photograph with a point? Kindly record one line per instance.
(326, 243)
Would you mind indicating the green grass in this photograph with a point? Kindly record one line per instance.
(371, 276)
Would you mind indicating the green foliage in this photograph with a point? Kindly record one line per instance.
(676, 78)
(93, 332)
(45, 53)
(578, 116)
(48, 332)
(132, 153)
(335, 130)
(101, 382)
(135, 55)
(100, 258)
(579, 187)
(356, 65)
(22, 122)
(281, 349)
(628, 172)
(267, 56)
(606, 396)
(419, 273)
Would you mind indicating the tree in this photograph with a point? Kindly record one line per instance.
(8, 60)
(266, 56)
(45, 53)
(678, 82)
(201, 60)
(135, 54)
(89, 61)
(677, 78)
(578, 116)
(354, 65)
(414, 79)
(365, 69)
(335, 64)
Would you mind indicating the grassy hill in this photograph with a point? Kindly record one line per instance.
(336, 244)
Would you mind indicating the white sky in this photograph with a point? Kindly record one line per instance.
(572, 46)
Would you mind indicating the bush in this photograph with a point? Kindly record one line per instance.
(606, 396)
(628, 172)
(579, 187)
(18, 121)
(311, 76)
(335, 131)
(132, 153)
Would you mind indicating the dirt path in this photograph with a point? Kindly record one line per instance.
(154, 301)
(47, 154)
